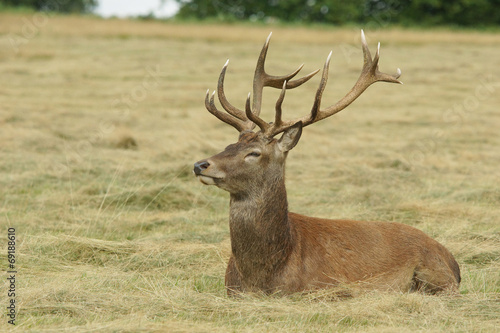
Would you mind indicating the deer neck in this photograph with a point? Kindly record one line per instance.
(261, 238)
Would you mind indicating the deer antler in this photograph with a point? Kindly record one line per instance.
(246, 120)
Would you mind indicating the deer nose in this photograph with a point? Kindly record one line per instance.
(200, 166)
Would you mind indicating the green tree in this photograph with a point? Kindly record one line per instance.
(63, 6)
(457, 12)
(332, 11)
(381, 12)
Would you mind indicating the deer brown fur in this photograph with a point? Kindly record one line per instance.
(275, 250)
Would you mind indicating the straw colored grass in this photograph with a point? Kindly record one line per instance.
(101, 121)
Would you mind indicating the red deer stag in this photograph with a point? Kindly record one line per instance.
(274, 250)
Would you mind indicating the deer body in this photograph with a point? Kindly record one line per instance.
(325, 253)
(276, 250)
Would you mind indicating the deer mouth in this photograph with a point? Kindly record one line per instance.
(207, 180)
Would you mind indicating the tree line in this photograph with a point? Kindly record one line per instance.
(383, 12)
(467, 13)
(62, 6)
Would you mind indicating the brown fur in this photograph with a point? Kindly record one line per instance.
(275, 250)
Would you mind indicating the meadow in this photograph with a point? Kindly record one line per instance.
(102, 120)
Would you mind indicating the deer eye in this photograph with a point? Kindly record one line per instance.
(253, 154)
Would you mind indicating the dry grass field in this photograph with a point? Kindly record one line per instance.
(101, 122)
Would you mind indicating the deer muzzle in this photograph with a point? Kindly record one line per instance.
(199, 168)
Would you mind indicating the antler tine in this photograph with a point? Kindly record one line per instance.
(222, 97)
(367, 57)
(277, 81)
(227, 118)
(277, 118)
(297, 82)
(254, 118)
(259, 78)
(262, 79)
(319, 93)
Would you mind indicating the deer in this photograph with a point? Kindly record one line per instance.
(277, 251)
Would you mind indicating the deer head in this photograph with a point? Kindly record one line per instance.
(258, 157)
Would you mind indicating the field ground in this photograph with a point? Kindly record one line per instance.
(101, 121)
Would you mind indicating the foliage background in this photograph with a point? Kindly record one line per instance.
(62, 6)
(405, 12)
(463, 13)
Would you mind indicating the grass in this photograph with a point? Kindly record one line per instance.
(102, 120)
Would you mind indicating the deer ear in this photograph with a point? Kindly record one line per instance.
(290, 138)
